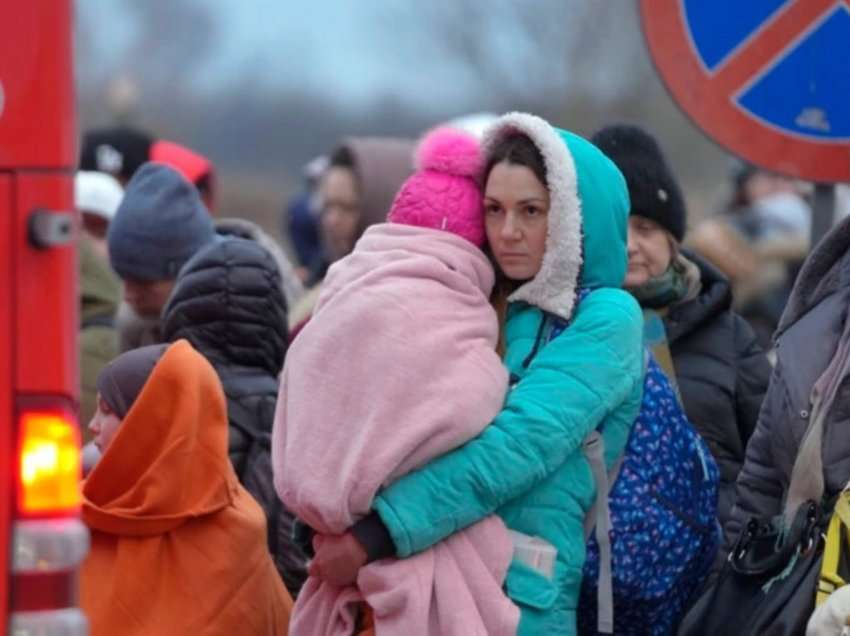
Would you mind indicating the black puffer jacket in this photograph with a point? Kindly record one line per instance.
(228, 303)
(806, 339)
(722, 374)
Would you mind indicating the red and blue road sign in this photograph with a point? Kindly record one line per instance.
(767, 79)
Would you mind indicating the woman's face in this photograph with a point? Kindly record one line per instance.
(516, 217)
(103, 425)
(650, 251)
(340, 211)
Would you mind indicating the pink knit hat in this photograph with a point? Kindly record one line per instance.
(444, 193)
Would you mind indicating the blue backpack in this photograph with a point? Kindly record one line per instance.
(663, 518)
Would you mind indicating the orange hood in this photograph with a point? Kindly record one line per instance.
(168, 461)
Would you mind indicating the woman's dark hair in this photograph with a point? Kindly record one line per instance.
(342, 157)
(519, 150)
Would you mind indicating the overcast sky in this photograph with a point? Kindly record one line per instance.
(357, 50)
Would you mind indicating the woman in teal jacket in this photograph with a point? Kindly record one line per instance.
(556, 217)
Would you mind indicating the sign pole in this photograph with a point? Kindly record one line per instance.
(823, 213)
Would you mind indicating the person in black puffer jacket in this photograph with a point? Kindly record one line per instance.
(229, 303)
(707, 350)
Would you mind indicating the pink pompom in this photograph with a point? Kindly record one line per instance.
(450, 151)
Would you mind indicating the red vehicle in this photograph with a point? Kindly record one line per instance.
(39, 432)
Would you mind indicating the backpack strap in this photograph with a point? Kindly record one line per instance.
(241, 417)
(98, 320)
(599, 516)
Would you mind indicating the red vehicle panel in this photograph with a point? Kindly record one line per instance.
(45, 292)
(7, 438)
(37, 85)
(42, 538)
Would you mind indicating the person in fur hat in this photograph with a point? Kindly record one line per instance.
(709, 352)
(369, 392)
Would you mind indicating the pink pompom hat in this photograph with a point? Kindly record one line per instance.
(445, 192)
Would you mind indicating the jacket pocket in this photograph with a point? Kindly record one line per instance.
(528, 587)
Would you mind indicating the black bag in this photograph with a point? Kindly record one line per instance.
(766, 587)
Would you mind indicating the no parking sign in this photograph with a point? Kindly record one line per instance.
(767, 79)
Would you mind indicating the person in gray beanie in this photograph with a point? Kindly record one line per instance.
(160, 224)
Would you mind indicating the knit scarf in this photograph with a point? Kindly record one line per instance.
(680, 283)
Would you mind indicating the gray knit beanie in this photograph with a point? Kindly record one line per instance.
(121, 381)
(160, 224)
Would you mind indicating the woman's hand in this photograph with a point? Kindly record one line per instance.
(338, 559)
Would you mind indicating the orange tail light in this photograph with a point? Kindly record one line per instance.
(49, 464)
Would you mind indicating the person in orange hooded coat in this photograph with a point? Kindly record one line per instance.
(178, 546)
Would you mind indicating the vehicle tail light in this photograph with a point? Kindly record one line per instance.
(49, 468)
(49, 540)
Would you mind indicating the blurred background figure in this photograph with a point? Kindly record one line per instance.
(301, 223)
(234, 227)
(197, 168)
(97, 196)
(759, 240)
(356, 191)
(100, 293)
(121, 150)
(118, 151)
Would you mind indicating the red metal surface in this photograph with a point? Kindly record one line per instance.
(37, 85)
(45, 294)
(38, 288)
(707, 98)
(7, 431)
(44, 591)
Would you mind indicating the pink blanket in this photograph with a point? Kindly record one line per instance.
(397, 366)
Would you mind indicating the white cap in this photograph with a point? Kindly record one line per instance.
(474, 123)
(97, 193)
(316, 167)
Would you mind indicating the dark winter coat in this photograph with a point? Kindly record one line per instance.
(137, 331)
(228, 302)
(722, 373)
(806, 340)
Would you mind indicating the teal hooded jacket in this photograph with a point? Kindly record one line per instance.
(528, 466)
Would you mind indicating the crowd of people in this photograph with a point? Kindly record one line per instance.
(500, 390)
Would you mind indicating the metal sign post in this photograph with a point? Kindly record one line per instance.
(823, 212)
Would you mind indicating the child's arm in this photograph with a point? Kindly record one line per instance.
(571, 385)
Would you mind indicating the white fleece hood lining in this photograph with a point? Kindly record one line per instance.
(554, 287)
